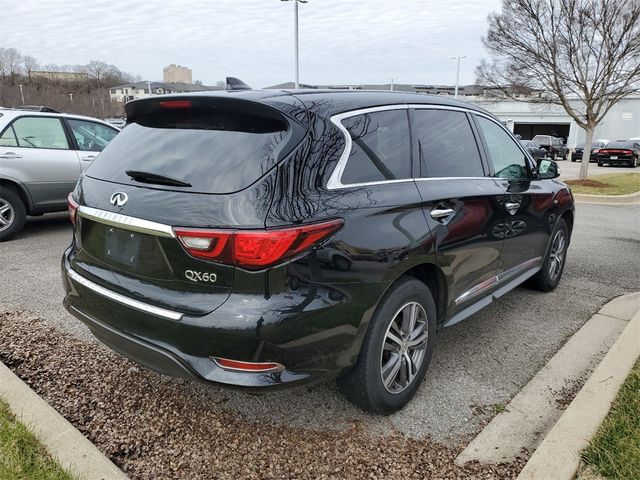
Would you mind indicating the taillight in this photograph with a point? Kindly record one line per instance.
(72, 206)
(254, 249)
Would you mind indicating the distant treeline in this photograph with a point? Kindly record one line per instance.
(88, 95)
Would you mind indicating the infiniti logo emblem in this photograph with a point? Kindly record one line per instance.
(119, 199)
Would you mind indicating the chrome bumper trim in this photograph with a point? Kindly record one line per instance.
(125, 221)
(116, 297)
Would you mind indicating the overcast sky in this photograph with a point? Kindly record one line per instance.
(341, 41)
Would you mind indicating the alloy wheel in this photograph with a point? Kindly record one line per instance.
(556, 256)
(404, 347)
(7, 214)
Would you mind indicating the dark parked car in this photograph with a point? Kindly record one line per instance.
(535, 150)
(555, 147)
(263, 239)
(576, 156)
(620, 152)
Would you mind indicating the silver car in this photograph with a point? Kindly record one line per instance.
(41, 157)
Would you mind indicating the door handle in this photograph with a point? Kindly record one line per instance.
(10, 155)
(440, 213)
(88, 158)
(512, 207)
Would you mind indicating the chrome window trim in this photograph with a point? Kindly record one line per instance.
(498, 279)
(124, 221)
(122, 299)
(335, 180)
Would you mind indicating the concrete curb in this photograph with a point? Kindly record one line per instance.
(629, 199)
(66, 445)
(558, 456)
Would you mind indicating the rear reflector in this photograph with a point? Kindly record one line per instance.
(72, 206)
(254, 249)
(175, 104)
(247, 366)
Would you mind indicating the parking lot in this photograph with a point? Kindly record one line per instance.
(569, 169)
(478, 364)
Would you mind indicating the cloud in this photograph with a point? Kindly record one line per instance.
(341, 41)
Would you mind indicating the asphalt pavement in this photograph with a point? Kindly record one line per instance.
(569, 169)
(478, 365)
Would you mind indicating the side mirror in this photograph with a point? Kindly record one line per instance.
(547, 169)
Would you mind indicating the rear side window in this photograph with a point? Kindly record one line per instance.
(213, 151)
(381, 148)
(446, 145)
(40, 132)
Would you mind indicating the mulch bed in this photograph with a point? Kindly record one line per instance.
(153, 427)
(588, 183)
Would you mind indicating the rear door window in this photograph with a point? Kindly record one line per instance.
(91, 136)
(212, 151)
(8, 138)
(446, 144)
(40, 132)
(381, 147)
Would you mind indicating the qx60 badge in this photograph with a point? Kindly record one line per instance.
(119, 199)
(195, 276)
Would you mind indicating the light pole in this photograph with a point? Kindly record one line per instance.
(391, 84)
(458, 58)
(149, 85)
(22, 94)
(295, 22)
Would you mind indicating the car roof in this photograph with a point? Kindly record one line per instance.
(327, 102)
(10, 113)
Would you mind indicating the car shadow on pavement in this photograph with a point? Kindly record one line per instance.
(47, 223)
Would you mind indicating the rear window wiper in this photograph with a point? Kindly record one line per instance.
(147, 177)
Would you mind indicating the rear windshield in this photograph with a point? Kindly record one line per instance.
(210, 151)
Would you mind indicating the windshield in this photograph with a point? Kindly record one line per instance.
(214, 152)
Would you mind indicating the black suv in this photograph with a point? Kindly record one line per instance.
(263, 239)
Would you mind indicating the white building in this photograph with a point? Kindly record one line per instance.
(530, 119)
(133, 91)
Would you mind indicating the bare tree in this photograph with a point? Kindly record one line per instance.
(97, 70)
(10, 62)
(30, 64)
(581, 54)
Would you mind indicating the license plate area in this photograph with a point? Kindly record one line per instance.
(122, 246)
(613, 157)
(135, 253)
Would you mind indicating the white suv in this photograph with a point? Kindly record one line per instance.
(41, 157)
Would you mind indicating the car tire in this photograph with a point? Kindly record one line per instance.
(600, 164)
(549, 276)
(13, 212)
(363, 384)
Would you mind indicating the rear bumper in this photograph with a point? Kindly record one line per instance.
(163, 361)
(617, 161)
(313, 335)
